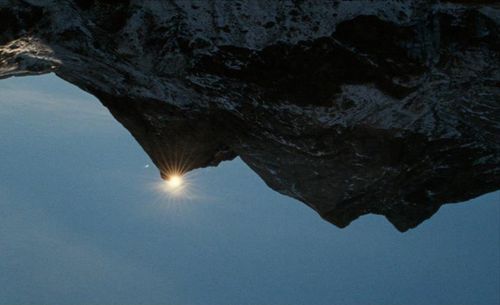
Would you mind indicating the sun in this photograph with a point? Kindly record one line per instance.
(175, 181)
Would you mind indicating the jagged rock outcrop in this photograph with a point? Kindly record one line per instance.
(352, 107)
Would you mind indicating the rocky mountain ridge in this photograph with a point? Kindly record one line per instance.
(352, 107)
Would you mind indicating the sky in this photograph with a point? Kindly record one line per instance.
(84, 220)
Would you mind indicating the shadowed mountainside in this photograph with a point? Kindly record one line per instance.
(352, 107)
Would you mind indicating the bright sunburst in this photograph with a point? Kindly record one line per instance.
(174, 166)
(175, 185)
(175, 181)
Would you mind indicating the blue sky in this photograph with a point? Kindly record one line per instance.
(83, 222)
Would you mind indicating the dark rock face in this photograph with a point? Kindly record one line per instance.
(352, 107)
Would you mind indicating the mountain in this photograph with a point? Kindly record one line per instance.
(352, 107)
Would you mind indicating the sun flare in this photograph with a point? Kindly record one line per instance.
(175, 181)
